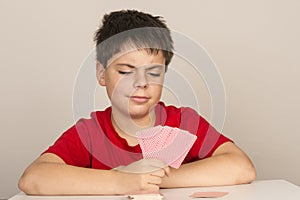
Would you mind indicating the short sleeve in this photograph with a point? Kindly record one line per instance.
(208, 138)
(71, 147)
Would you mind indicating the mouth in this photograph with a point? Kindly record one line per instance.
(139, 99)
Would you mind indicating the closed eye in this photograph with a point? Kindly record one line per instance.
(124, 72)
(154, 74)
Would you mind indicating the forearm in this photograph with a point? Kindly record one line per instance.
(223, 169)
(61, 179)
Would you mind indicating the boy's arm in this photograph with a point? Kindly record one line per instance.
(49, 175)
(227, 166)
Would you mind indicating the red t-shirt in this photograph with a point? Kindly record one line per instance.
(94, 143)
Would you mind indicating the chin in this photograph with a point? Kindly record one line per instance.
(138, 114)
(140, 110)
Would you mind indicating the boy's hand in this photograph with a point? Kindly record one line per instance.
(144, 166)
(143, 176)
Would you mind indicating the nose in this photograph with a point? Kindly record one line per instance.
(140, 80)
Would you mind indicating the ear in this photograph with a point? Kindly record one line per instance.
(100, 73)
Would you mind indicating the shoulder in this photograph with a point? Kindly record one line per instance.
(97, 117)
(97, 121)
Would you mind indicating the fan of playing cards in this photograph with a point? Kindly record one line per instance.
(165, 143)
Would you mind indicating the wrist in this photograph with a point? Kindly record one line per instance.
(115, 180)
(166, 180)
(119, 181)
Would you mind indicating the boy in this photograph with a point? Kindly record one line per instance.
(101, 155)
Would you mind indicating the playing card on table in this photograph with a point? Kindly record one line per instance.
(146, 197)
(165, 143)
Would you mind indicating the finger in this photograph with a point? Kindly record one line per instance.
(167, 171)
(152, 188)
(159, 173)
(152, 179)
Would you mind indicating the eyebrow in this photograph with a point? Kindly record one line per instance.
(155, 66)
(132, 66)
(125, 64)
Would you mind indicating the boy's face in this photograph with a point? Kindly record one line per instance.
(133, 81)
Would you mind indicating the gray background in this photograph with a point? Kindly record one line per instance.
(255, 45)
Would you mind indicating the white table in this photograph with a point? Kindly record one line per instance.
(258, 190)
